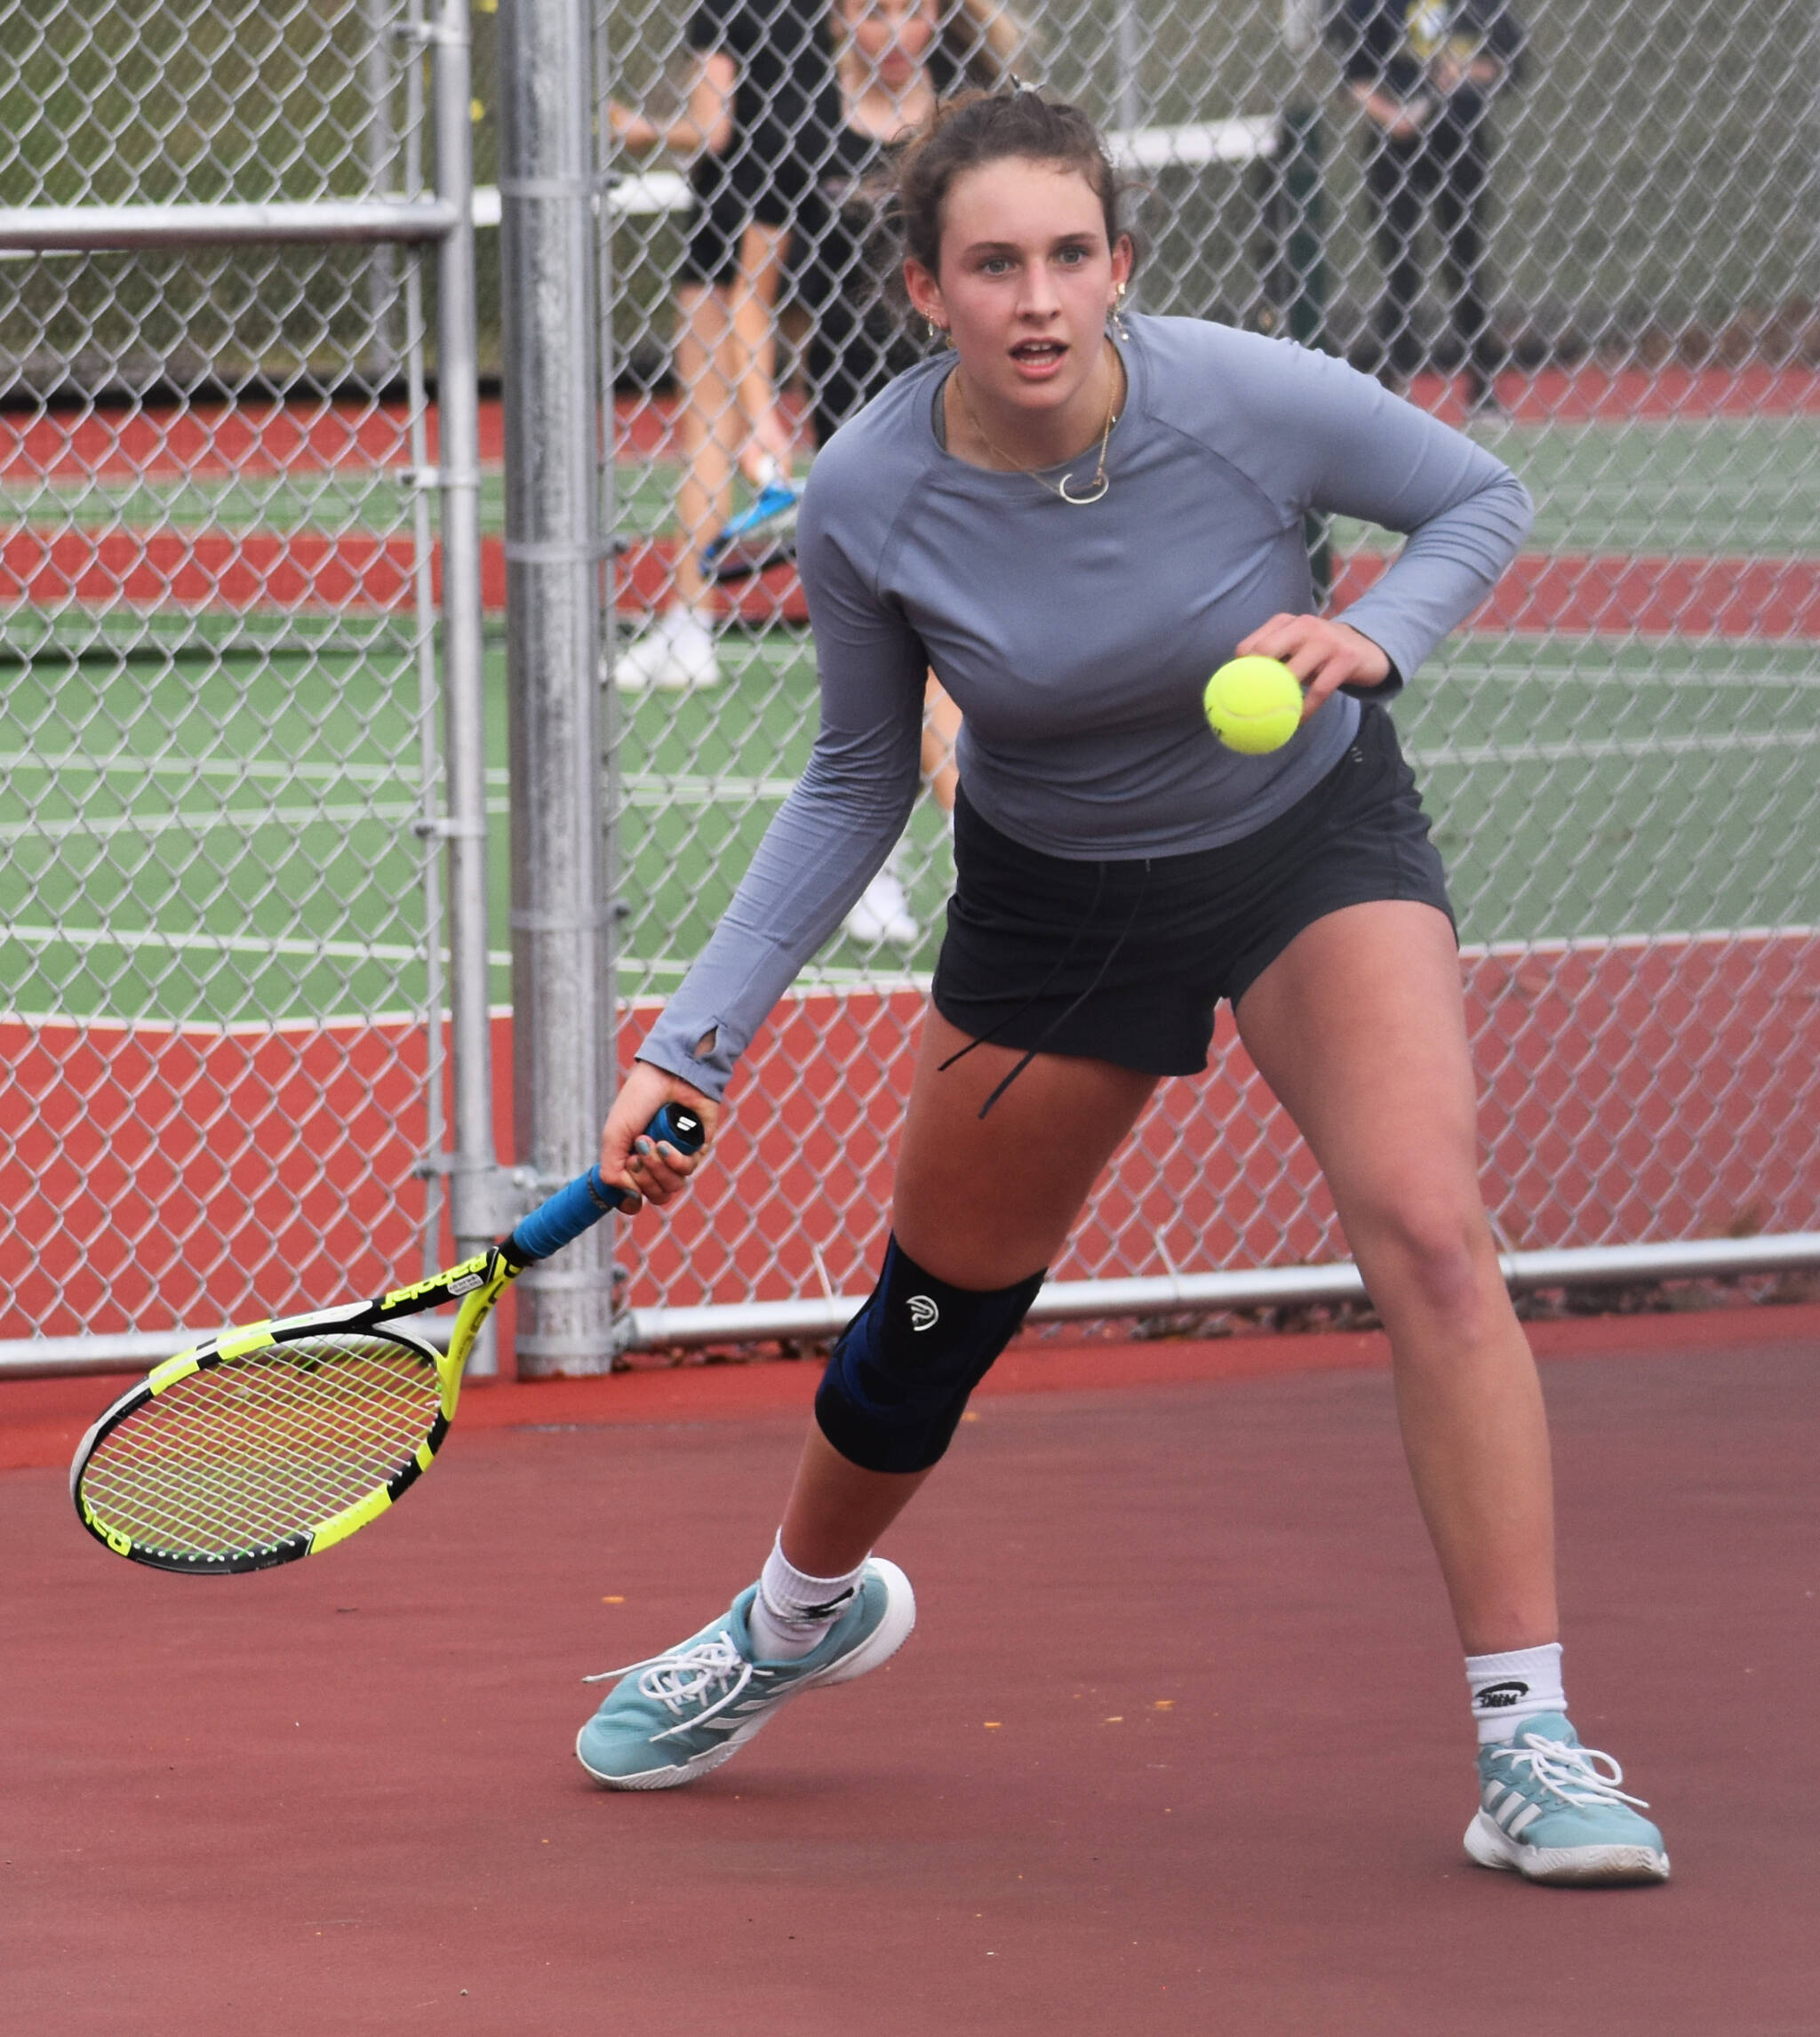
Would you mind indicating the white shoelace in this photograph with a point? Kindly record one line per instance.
(1568, 1771)
(685, 1676)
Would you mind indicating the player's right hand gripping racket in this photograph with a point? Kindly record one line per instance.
(278, 1440)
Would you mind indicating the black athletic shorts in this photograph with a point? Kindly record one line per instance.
(1125, 961)
(764, 178)
(721, 211)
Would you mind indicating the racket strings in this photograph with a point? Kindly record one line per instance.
(239, 1457)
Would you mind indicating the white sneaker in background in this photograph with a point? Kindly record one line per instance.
(675, 653)
(881, 911)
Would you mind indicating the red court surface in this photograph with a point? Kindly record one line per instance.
(54, 563)
(1582, 594)
(129, 1195)
(1179, 1744)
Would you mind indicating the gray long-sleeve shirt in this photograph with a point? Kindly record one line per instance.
(1076, 640)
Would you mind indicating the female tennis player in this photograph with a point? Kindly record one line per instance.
(1074, 523)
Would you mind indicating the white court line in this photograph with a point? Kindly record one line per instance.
(849, 982)
(250, 769)
(814, 979)
(226, 944)
(1445, 672)
(852, 983)
(654, 795)
(232, 1028)
(1633, 747)
(658, 794)
(248, 819)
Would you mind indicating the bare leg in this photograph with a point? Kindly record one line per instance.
(1358, 1027)
(837, 1510)
(754, 371)
(709, 431)
(981, 1203)
(941, 726)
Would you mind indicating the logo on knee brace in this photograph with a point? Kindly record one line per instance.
(923, 1313)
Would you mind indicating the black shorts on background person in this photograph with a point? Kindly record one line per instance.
(1425, 73)
(786, 110)
(762, 107)
(895, 59)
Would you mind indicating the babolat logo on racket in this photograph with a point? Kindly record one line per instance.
(120, 1544)
(459, 1280)
(923, 1313)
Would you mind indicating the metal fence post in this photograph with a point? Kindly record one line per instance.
(473, 1184)
(552, 555)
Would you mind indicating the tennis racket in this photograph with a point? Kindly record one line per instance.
(274, 1440)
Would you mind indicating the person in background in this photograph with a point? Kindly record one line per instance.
(895, 59)
(763, 106)
(1425, 73)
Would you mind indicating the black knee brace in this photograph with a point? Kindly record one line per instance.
(901, 1373)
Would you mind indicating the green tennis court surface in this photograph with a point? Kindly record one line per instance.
(210, 817)
(212, 820)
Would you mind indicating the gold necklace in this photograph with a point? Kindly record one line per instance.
(1099, 483)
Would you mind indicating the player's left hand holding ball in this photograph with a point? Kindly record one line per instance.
(630, 1158)
(1322, 653)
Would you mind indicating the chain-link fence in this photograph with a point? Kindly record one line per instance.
(1585, 234)
(1588, 234)
(223, 799)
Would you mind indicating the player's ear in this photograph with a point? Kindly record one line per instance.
(1124, 260)
(925, 293)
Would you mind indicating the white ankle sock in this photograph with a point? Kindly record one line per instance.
(793, 1610)
(1507, 1688)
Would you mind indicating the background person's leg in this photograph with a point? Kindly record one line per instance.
(941, 730)
(751, 359)
(710, 426)
(1460, 201)
(882, 911)
(1396, 210)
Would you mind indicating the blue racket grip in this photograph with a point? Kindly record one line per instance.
(581, 1205)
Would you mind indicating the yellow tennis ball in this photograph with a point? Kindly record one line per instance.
(1254, 704)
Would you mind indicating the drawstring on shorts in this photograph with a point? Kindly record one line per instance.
(1075, 1004)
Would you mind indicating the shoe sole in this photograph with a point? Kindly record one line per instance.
(879, 1646)
(871, 933)
(1489, 1845)
(882, 1643)
(665, 683)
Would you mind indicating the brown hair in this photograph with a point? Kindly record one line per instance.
(989, 127)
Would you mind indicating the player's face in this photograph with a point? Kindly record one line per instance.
(891, 36)
(1026, 281)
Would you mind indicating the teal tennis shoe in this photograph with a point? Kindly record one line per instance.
(674, 1716)
(1551, 1810)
